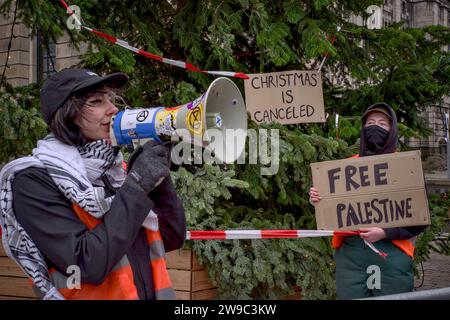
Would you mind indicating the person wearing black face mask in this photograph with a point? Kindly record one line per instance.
(353, 258)
(375, 138)
(379, 134)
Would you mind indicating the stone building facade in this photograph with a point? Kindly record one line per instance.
(31, 58)
(417, 14)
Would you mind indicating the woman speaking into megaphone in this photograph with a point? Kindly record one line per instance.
(73, 219)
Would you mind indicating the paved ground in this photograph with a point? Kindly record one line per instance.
(437, 272)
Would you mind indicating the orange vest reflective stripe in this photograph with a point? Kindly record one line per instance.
(161, 278)
(119, 283)
(407, 246)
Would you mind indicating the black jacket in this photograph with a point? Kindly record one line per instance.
(389, 147)
(47, 215)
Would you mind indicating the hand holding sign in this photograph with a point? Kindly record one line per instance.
(314, 196)
(372, 234)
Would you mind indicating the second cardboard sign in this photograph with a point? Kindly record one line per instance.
(377, 191)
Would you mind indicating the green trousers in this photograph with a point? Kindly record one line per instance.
(361, 273)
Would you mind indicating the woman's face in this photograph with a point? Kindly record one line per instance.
(97, 113)
(379, 119)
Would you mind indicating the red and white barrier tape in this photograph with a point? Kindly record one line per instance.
(272, 234)
(149, 55)
(371, 246)
(263, 234)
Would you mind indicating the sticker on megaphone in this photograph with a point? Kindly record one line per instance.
(134, 124)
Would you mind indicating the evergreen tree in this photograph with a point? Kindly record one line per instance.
(402, 66)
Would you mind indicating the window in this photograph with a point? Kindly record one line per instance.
(46, 57)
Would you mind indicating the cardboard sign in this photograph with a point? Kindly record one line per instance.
(377, 191)
(286, 97)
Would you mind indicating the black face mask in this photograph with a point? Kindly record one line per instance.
(376, 138)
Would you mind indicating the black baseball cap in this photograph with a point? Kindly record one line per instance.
(61, 85)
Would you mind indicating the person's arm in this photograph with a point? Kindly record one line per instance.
(403, 233)
(63, 239)
(171, 218)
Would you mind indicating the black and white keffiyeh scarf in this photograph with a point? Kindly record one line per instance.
(77, 173)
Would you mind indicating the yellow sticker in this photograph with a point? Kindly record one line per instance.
(194, 120)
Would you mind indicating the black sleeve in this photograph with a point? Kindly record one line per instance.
(63, 239)
(403, 233)
(171, 218)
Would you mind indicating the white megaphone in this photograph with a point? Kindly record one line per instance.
(220, 110)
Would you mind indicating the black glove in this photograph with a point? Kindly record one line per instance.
(148, 166)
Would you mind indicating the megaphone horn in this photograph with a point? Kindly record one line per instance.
(221, 108)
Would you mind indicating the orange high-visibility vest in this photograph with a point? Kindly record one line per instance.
(119, 283)
(407, 246)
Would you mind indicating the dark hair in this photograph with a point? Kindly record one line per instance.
(63, 122)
